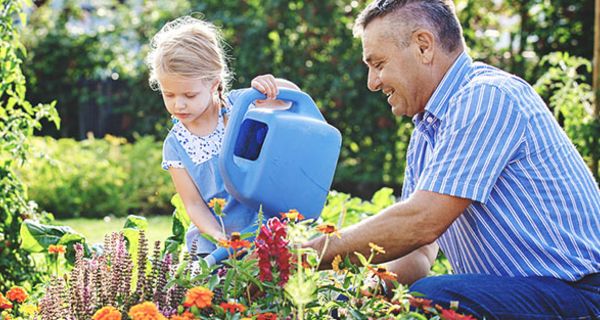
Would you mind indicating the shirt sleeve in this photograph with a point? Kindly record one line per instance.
(171, 158)
(481, 135)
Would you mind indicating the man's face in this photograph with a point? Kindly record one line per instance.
(396, 71)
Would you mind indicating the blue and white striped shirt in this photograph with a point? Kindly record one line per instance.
(487, 136)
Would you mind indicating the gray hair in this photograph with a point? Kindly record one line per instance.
(438, 15)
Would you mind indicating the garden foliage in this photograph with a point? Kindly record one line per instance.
(308, 42)
(97, 177)
(18, 120)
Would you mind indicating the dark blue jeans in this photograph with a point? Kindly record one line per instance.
(535, 298)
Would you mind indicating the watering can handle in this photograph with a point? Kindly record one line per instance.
(302, 104)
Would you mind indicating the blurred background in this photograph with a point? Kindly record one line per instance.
(104, 159)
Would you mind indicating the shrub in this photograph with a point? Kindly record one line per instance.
(97, 177)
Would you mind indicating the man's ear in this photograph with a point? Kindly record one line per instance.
(425, 41)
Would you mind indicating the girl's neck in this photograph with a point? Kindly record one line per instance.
(207, 122)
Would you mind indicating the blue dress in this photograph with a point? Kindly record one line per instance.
(199, 156)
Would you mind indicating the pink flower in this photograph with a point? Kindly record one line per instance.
(272, 250)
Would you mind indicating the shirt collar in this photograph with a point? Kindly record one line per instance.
(438, 103)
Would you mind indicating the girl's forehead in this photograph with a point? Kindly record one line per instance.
(174, 82)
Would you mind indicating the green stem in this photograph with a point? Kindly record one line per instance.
(323, 251)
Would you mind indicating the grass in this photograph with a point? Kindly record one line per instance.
(159, 227)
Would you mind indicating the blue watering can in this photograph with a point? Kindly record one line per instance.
(280, 159)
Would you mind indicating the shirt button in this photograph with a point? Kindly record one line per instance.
(429, 119)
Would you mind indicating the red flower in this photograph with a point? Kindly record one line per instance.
(272, 249)
(232, 307)
(420, 303)
(448, 314)
(267, 316)
(17, 294)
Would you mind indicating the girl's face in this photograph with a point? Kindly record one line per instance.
(187, 99)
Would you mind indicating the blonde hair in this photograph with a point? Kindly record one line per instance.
(190, 48)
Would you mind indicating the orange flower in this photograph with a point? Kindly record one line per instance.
(232, 307)
(17, 294)
(184, 316)
(328, 229)
(383, 273)
(107, 313)
(145, 311)
(200, 297)
(5, 303)
(56, 249)
(292, 215)
(214, 201)
(237, 242)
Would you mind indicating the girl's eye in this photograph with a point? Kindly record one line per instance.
(190, 95)
(168, 95)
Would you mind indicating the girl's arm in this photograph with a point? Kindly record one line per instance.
(195, 206)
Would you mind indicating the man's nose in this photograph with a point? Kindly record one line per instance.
(373, 82)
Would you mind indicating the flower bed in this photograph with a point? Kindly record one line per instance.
(272, 277)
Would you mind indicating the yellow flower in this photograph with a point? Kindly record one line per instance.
(107, 313)
(145, 311)
(29, 309)
(376, 248)
(293, 215)
(214, 201)
(335, 264)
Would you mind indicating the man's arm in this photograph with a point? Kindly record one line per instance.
(415, 265)
(400, 229)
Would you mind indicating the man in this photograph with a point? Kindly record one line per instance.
(491, 178)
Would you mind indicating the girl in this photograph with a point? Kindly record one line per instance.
(188, 65)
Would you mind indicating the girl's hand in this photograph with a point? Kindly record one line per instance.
(266, 84)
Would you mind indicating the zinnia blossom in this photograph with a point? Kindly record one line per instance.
(107, 313)
(214, 201)
(272, 249)
(5, 303)
(292, 215)
(56, 249)
(335, 264)
(145, 311)
(17, 294)
(448, 314)
(328, 229)
(200, 297)
(237, 242)
(232, 307)
(383, 273)
(376, 248)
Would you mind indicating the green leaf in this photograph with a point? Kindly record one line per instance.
(361, 258)
(37, 237)
(136, 222)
